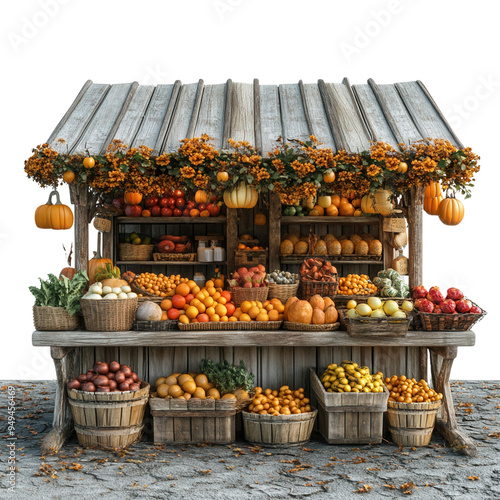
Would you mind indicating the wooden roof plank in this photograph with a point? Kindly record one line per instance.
(348, 129)
(179, 125)
(395, 112)
(270, 117)
(211, 114)
(154, 115)
(81, 115)
(429, 120)
(106, 119)
(374, 115)
(293, 114)
(316, 113)
(132, 119)
(242, 119)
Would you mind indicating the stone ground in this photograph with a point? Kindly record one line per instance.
(242, 471)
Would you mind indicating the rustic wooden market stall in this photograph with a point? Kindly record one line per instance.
(342, 117)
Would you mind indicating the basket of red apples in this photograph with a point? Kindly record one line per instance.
(453, 312)
(249, 284)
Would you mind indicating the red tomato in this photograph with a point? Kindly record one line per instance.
(227, 295)
(166, 212)
(173, 313)
(163, 202)
(185, 212)
(177, 212)
(178, 301)
(230, 307)
(151, 201)
(155, 211)
(180, 202)
(203, 318)
(213, 209)
(133, 210)
(171, 203)
(189, 297)
(202, 207)
(190, 205)
(178, 193)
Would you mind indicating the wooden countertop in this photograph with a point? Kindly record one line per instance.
(250, 338)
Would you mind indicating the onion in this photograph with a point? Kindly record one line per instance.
(129, 381)
(134, 377)
(82, 378)
(102, 389)
(88, 387)
(126, 370)
(101, 381)
(114, 366)
(134, 387)
(124, 387)
(110, 375)
(74, 384)
(120, 377)
(90, 374)
(101, 368)
(112, 385)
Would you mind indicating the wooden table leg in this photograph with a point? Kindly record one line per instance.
(446, 423)
(63, 423)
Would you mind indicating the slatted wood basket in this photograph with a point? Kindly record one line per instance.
(302, 327)
(349, 418)
(309, 288)
(231, 325)
(240, 294)
(282, 292)
(412, 424)
(375, 327)
(108, 420)
(282, 430)
(155, 326)
(178, 421)
(130, 252)
(48, 318)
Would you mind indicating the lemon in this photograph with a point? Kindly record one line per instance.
(374, 303)
(136, 241)
(351, 313)
(363, 309)
(390, 307)
(407, 306)
(378, 313)
(351, 304)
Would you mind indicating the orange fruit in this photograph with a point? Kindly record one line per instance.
(221, 300)
(262, 317)
(192, 312)
(211, 290)
(200, 296)
(166, 304)
(230, 308)
(273, 315)
(68, 176)
(244, 317)
(191, 284)
(224, 318)
(245, 306)
(208, 301)
(183, 319)
(233, 318)
(203, 318)
(210, 311)
(216, 295)
(221, 310)
(237, 312)
(215, 318)
(320, 210)
(194, 212)
(332, 210)
(182, 289)
(164, 315)
(227, 295)
(209, 283)
(196, 289)
(253, 312)
(336, 200)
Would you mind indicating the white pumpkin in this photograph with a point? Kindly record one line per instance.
(243, 196)
(148, 311)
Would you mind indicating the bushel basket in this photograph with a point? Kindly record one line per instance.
(109, 315)
(47, 318)
(308, 288)
(240, 294)
(282, 292)
(459, 322)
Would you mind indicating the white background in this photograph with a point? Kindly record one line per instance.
(51, 47)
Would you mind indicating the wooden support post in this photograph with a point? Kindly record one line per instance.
(446, 423)
(80, 198)
(415, 236)
(64, 360)
(231, 237)
(274, 231)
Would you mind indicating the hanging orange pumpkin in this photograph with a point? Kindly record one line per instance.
(451, 210)
(97, 261)
(50, 216)
(431, 205)
(433, 190)
(259, 219)
(132, 198)
(201, 196)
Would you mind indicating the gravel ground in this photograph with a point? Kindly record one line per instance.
(317, 470)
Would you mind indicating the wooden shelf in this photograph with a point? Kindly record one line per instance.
(170, 263)
(335, 262)
(171, 220)
(246, 338)
(325, 219)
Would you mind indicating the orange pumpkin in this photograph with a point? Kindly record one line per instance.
(222, 176)
(42, 219)
(431, 205)
(336, 200)
(367, 204)
(332, 210)
(288, 304)
(300, 312)
(346, 209)
(69, 272)
(451, 211)
(97, 261)
(201, 196)
(329, 176)
(132, 198)
(433, 190)
(50, 216)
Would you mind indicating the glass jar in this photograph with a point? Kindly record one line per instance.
(199, 279)
(219, 252)
(202, 246)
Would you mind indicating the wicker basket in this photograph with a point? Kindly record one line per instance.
(240, 294)
(375, 327)
(302, 327)
(231, 325)
(411, 424)
(128, 251)
(174, 257)
(309, 288)
(283, 292)
(459, 322)
(47, 318)
(109, 315)
(155, 326)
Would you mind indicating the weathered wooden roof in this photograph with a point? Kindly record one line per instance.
(340, 115)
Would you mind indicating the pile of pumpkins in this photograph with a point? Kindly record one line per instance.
(449, 209)
(355, 244)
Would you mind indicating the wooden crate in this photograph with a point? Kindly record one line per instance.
(269, 430)
(250, 258)
(375, 327)
(349, 418)
(177, 421)
(108, 420)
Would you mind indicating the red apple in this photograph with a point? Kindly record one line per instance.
(163, 202)
(180, 203)
(454, 294)
(448, 306)
(171, 203)
(177, 212)
(463, 305)
(119, 203)
(166, 212)
(155, 211)
(178, 193)
(190, 205)
(133, 210)
(424, 305)
(476, 310)
(435, 295)
(213, 209)
(202, 207)
(151, 201)
(419, 292)
(185, 212)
